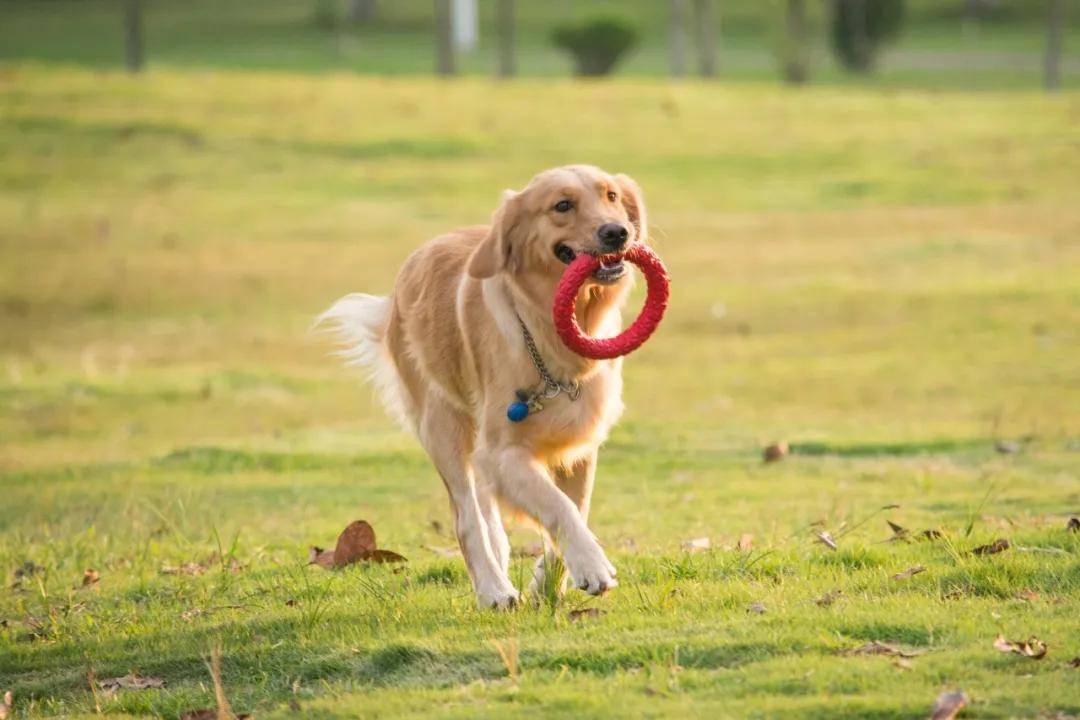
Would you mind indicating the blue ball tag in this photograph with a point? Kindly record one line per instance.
(517, 411)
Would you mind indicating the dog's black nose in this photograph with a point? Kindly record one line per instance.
(612, 236)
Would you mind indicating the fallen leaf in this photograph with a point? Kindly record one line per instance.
(585, 613)
(5, 706)
(930, 535)
(1027, 594)
(437, 527)
(192, 613)
(1033, 647)
(824, 537)
(1073, 525)
(775, 452)
(999, 545)
(756, 607)
(90, 577)
(696, 544)
(27, 569)
(1007, 447)
(910, 572)
(746, 542)
(948, 704)
(291, 602)
(828, 598)
(188, 568)
(131, 681)
(1075, 662)
(899, 532)
(356, 543)
(879, 648)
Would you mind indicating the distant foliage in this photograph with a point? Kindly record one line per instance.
(325, 14)
(861, 27)
(596, 45)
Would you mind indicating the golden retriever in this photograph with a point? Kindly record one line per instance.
(448, 350)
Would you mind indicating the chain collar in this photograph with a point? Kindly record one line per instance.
(552, 386)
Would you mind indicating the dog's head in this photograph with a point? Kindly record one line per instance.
(562, 213)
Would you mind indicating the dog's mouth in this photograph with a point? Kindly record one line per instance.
(611, 270)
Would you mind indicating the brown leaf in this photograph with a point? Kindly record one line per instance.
(318, 556)
(1027, 594)
(291, 602)
(910, 572)
(825, 538)
(696, 544)
(1075, 662)
(746, 542)
(899, 532)
(930, 535)
(775, 452)
(90, 577)
(5, 705)
(828, 598)
(585, 614)
(1007, 447)
(1033, 647)
(999, 545)
(756, 607)
(385, 556)
(1073, 525)
(879, 648)
(188, 568)
(131, 681)
(948, 704)
(356, 543)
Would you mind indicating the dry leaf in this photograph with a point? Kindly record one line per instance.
(1075, 662)
(1027, 594)
(775, 452)
(828, 598)
(757, 607)
(189, 568)
(824, 537)
(355, 543)
(585, 613)
(948, 704)
(930, 535)
(899, 532)
(1007, 447)
(999, 545)
(1073, 525)
(910, 572)
(746, 542)
(880, 648)
(131, 681)
(696, 544)
(90, 577)
(1033, 647)
(5, 706)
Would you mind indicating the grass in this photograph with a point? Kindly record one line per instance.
(939, 47)
(887, 280)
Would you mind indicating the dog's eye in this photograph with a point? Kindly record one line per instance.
(612, 196)
(564, 206)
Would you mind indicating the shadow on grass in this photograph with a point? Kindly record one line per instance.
(879, 449)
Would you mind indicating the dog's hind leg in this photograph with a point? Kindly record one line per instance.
(446, 434)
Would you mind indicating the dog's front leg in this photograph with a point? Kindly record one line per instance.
(526, 483)
(576, 481)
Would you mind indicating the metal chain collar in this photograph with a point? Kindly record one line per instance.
(552, 387)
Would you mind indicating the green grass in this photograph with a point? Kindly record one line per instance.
(938, 48)
(889, 280)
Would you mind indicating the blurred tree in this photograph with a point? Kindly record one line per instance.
(361, 11)
(504, 29)
(444, 39)
(325, 14)
(596, 45)
(861, 27)
(134, 53)
(1052, 64)
(706, 37)
(677, 37)
(796, 62)
(466, 22)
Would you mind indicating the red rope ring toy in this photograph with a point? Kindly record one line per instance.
(628, 340)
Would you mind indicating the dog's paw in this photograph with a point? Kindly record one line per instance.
(591, 571)
(506, 598)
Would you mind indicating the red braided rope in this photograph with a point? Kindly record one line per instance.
(629, 340)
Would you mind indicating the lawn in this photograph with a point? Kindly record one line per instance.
(887, 280)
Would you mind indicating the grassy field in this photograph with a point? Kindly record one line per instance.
(939, 47)
(889, 280)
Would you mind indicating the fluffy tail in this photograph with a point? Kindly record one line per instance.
(359, 321)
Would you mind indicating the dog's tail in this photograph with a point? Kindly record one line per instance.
(359, 321)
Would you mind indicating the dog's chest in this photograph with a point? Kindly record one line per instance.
(565, 424)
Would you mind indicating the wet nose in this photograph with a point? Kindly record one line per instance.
(612, 236)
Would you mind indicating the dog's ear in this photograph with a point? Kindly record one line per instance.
(495, 252)
(634, 203)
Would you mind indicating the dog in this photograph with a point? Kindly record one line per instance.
(468, 330)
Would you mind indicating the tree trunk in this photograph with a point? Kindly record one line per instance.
(796, 63)
(677, 37)
(361, 11)
(706, 37)
(504, 28)
(1052, 63)
(134, 55)
(466, 24)
(860, 35)
(444, 39)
